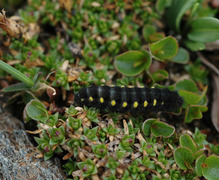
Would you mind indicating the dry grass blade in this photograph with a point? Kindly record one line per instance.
(34, 132)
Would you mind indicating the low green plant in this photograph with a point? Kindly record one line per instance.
(90, 38)
(162, 152)
(88, 168)
(194, 100)
(194, 31)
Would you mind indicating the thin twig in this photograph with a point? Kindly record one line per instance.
(207, 63)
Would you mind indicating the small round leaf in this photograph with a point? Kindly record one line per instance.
(165, 49)
(184, 157)
(147, 126)
(159, 128)
(35, 110)
(211, 168)
(132, 63)
(182, 56)
(148, 30)
(186, 141)
(194, 112)
(160, 75)
(188, 85)
(198, 164)
(190, 97)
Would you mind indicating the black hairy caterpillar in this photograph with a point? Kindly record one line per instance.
(124, 99)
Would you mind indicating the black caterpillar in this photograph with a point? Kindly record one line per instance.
(133, 100)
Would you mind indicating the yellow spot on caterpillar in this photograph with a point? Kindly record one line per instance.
(124, 104)
(122, 86)
(155, 102)
(113, 102)
(152, 87)
(135, 105)
(101, 100)
(82, 99)
(145, 103)
(112, 85)
(91, 99)
(162, 103)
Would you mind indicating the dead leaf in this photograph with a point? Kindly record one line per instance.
(9, 26)
(67, 156)
(125, 125)
(77, 173)
(40, 155)
(30, 31)
(36, 63)
(66, 4)
(95, 177)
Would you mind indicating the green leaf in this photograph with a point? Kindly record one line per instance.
(132, 63)
(187, 84)
(189, 97)
(16, 87)
(176, 11)
(182, 56)
(87, 167)
(39, 140)
(146, 126)
(156, 37)
(194, 45)
(164, 49)
(127, 140)
(198, 164)
(150, 34)
(74, 123)
(211, 168)
(91, 133)
(16, 74)
(35, 110)
(120, 154)
(184, 157)
(159, 128)
(199, 152)
(162, 4)
(47, 156)
(148, 30)
(160, 75)
(198, 72)
(194, 112)
(70, 166)
(204, 29)
(199, 137)
(193, 98)
(186, 141)
(99, 150)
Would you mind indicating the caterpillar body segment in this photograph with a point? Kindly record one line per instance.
(125, 99)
